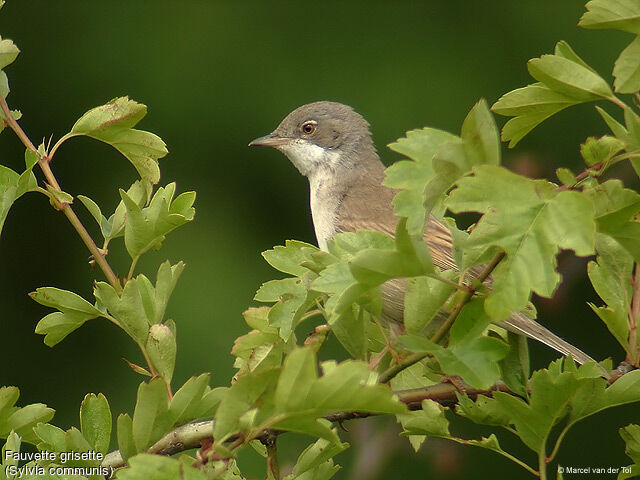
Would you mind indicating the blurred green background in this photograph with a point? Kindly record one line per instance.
(215, 75)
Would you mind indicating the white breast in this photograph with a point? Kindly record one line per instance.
(319, 165)
(324, 207)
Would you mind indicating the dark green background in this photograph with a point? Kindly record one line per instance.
(215, 75)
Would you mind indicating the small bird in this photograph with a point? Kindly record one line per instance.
(331, 145)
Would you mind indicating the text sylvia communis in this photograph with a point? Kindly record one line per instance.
(331, 145)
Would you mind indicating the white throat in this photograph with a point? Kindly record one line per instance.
(321, 167)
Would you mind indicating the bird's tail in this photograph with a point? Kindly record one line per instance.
(523, 325)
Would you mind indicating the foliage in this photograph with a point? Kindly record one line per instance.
(450, 359)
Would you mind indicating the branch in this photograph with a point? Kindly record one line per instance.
(192, 434)
(444, 328)
(43, 162)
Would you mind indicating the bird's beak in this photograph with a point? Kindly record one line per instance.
(271, 140)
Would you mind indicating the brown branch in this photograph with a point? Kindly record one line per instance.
(43, 162)
(193, 434)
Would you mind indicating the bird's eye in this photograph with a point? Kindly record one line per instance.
(308, 128)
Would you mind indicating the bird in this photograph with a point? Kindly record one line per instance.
(331, 144)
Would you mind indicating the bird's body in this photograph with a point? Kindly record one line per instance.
(331, 145)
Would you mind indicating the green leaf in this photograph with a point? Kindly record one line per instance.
(350, 328)
(530, 222)
(568, 77)
(610, 277)
(412, 176)
(317, 454)
(290, 295)
(515, 366)
(631, 436)
(161, 348)
(8, 52)
(439, 159)
(150, 417)
(565, 80)
(95, 421)
(240, 399)
(113, 124)
(74, 311)
(348, 386)
(430, 420)
(618, 130)
(627, 69)
(22, 421)
(186, 402)
(470, 355)
(616, 207)
(424, 299)
(156, 467)
(14, 185)
(63, 300)
(289, 258)
(127, 309)
(125, 436)
(596, 150)
(566, 176)
(146, 227)
(619, 14)
(12, 444)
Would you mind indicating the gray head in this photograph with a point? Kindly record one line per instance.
(322, 136)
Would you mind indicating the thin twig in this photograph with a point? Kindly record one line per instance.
(270, 441)
(43, 162)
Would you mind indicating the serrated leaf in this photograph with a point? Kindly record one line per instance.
(113, 124)
(596, 150)
(627, 69)
(440, 159)
(289, 258)
(146, 227)
(530, 222)
(95, 421)
(619, 14)
(610, 277)
(412, 176)
(631, 436)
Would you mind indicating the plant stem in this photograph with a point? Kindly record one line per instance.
(43, 162)
(542, 464)
(444, 328)
(466, 296)
(556, 447)
(271, 442)
(132, 269)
